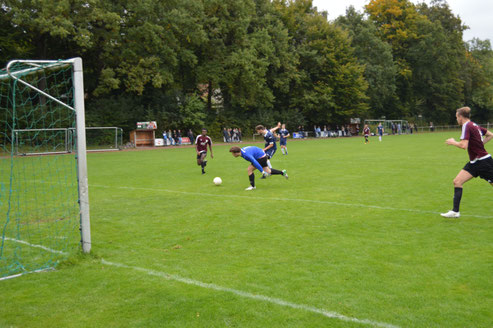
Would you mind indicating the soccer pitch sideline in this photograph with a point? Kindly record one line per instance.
(352, 239)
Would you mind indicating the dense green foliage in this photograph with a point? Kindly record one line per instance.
(217, 63)
(355, 230)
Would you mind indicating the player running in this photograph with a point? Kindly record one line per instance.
(201, 146)
(258, 159)
(366, 133)
(270, 141)
(380, 131)
(480, 164)
(283, 139)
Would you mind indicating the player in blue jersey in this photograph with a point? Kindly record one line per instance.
(380, 131)
(283, 138)
(270, 140)
(258, 159)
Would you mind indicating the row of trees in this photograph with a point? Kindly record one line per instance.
(215, 63)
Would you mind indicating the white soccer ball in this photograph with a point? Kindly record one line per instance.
(217, 181)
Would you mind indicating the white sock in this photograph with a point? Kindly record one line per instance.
(286, 150)
(380, 138)
(268, 163)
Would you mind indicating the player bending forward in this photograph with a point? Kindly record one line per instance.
(473, 138)
(201, 146)
(258, 160)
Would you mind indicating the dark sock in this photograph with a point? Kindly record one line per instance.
(274, 171)
(457, 198)
(252, 179)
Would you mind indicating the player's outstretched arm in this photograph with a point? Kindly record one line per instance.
(255, 163)
(461, 144)
(276, 127)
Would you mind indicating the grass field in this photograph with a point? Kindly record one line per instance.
(352, 239)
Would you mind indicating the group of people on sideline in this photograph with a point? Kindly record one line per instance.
(232, 135)
(175, 137)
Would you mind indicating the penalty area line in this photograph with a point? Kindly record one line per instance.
(302, 200)
(258, 297)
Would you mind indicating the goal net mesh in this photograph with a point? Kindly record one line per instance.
(39, 211)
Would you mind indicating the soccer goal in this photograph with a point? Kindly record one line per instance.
(44, 201)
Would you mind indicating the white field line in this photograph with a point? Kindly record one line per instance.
(188, 281)
(27, 272)
(36, 246)
(277, 301)
(386, 208)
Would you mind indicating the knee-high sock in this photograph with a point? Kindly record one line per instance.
(274, 171)
(457, 198)
(252, 179)
(268, 164)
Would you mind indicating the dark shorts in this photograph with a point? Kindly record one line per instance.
(263, 161)
(270, 152)
(199, 156)
(482, 168)
(283, 142)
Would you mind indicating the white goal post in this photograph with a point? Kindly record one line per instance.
(78, 108)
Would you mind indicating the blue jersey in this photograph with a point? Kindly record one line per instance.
(270, 140)
(380, 130)
(252, 154)
(283, 133)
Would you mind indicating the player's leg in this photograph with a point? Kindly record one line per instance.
(251, 177)
(199, 160)
(273, 171)
(459, 181)
(203, 162)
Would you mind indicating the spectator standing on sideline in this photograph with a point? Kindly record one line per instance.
(225, 135)
(175, 138)
(191, 136)
(178, 134)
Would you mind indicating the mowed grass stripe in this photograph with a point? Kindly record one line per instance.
(268, 199)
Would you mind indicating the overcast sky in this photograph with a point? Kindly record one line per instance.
(477, 14)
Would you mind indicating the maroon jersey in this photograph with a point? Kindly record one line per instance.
(366, 131)
(202, 142)
(474, 133)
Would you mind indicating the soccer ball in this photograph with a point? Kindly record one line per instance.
(217, 181)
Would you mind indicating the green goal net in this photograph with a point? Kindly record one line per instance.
(41, 196)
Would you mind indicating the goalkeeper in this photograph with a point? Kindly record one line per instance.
(258, 160)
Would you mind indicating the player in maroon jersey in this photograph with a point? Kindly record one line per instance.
(366, 133)
(201, 146)
(480, 164)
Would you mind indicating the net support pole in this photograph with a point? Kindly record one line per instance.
(85, 225)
